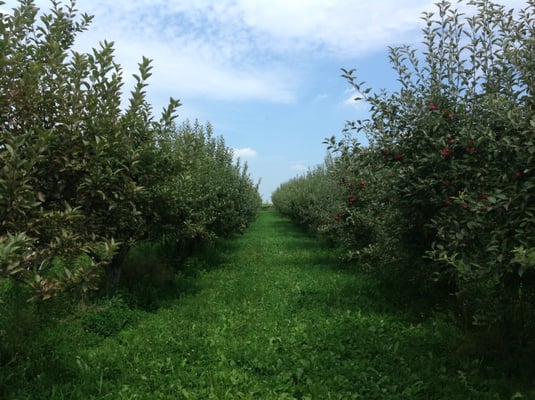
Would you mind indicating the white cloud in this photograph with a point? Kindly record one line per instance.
(200, 49)
(350, 100)
(232, 28)
(244, 153)
(344, 28)
(241, 49)
(190, 72)
(340, 27)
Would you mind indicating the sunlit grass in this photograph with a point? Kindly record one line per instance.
(278, 317)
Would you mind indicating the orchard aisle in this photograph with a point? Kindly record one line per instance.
(278, 318)
(270, 322)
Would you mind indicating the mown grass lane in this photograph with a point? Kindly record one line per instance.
(280, 317)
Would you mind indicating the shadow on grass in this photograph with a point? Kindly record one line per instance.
(365, 335)
(155, 275)
(383, 291)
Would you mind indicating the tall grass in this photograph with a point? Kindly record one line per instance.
(275, 315)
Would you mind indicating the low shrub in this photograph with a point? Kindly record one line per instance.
(107, 316)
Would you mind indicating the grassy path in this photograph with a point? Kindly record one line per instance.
(278, 319)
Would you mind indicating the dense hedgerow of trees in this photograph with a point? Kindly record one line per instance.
(205, 195)
(443, 196)
(83, 179)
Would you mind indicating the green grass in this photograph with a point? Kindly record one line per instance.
(276, 317)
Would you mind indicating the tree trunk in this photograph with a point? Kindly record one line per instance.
(113, 270)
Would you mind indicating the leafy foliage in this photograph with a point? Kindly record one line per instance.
(310, 200)
(447, 180)
(108, 318)
(80, 177)
(204, 194)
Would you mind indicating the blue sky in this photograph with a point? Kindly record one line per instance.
(264, 73)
